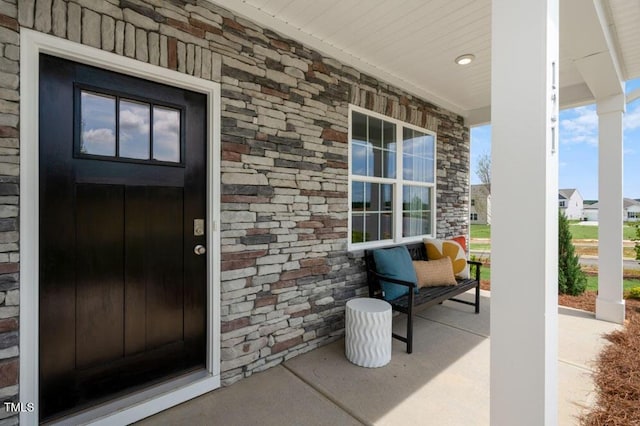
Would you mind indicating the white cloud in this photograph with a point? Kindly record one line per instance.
(166, 134)
(134, 121)
(632, 118)
(581, 128)
(99, 142)
(99, 136)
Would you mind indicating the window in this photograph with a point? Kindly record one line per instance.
(473, 202)
(633, 215)
(392, 180)
(127, 129)
(563, 203)
(474, 216)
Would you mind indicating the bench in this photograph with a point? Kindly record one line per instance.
(427, 296)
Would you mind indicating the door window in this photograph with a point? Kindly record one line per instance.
(127, 129)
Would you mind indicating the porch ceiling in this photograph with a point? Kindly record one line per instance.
(413, 44)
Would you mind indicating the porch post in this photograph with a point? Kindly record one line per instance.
(524, 234)
(610, 304)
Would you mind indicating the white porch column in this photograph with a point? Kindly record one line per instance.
(610, 304)
(524, 234)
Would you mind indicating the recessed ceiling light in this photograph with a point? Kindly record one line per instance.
(465, 59)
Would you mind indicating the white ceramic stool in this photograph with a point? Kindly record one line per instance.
(368, 332)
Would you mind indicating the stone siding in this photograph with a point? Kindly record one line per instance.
(285, 272)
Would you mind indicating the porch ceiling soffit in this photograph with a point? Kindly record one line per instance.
(590, 42)
(295, 31)
(589, 64)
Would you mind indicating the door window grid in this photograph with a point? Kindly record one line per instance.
(120, 128)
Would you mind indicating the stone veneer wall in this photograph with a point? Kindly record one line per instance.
(286, 274)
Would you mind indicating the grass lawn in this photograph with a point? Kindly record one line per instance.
(480, 231)
(628, 283)
(592, 280)
(582, 232)
(485, 273)
(579, 232)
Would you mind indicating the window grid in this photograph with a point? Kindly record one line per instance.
(409, 217)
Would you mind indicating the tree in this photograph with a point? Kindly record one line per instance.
(484, 170)
(571, 278)
(479, 202)
(637, 240)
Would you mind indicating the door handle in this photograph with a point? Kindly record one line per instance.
(199, 249)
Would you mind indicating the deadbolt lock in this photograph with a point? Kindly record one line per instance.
(198, 227)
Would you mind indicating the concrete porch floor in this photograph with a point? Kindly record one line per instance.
(444, 382)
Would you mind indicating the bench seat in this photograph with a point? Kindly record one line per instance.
(426, 296)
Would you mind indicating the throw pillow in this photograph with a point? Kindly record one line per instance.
(433, 273)
(462, 240)
(394, 263)
(437, 249)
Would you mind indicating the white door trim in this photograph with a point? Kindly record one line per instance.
(33, 43)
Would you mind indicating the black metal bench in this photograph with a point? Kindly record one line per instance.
(427, 296)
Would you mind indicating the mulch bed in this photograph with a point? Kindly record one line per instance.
(617, 376)
(617, 372)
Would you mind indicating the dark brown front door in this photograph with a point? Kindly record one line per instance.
(122, 206)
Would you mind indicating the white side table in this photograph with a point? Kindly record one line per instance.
(368, 332)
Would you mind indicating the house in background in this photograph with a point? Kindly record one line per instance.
(590, 212)
(480, 209)
(570, 201)
(630, 211)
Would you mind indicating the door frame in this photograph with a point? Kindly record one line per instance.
(143, 404)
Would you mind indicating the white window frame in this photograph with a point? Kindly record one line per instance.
(474, 215)
(563, 203)
(396, 182)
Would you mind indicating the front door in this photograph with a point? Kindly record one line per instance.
(122, 300)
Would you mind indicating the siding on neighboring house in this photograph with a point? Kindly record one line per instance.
(573, 203)
(591, 213)
(286, 273)
(630, 211)
(480, 208)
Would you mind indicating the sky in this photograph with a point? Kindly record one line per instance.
(578, 148)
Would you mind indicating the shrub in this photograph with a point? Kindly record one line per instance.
(634, 293)
(571, 279)
(637, 239)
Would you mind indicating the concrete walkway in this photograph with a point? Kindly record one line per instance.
(444, 382)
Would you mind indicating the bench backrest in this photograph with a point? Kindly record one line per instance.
(416, 250)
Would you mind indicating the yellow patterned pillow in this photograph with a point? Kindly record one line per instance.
(437, 249)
